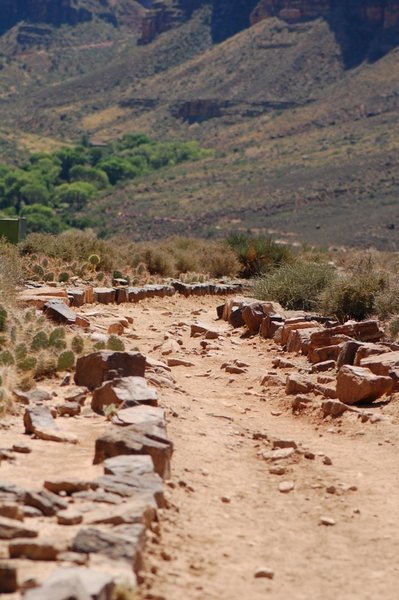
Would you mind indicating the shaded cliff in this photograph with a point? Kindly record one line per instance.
(364, 28)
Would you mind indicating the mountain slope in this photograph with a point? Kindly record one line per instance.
(305, 146)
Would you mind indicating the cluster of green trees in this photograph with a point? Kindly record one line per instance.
(51, 190)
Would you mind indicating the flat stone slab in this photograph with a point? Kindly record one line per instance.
(98, 585)
(123, 392)
(10, 529)
(126, 546)
(146, 485)
(130, 441)
(129, 465)
(59, 312)
(33, 550)
(45, 501)
(39, 421)
(141, 415)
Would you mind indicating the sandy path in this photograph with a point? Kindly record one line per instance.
(227, 517)
(213, 547)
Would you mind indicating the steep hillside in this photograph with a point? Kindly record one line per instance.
(300, 105)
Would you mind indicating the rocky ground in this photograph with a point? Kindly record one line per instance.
(262, 500)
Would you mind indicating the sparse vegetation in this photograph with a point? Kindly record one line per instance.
(296, 286)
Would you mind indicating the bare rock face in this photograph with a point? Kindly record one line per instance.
(365, 26)
(92, 370)
(357, 383)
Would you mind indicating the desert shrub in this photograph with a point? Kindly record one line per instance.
(57, 338)
(46, 366)
(3, 318)
(6, 358)
(258, 255)
(115, 343)
(158, 262)
(63, 277)
(394, 327)
(220, 261)
(11, 271)
(352, 296)
(26, 363)
(40, 341)
(386, 302)
(66, 361)
(296, 286)
(77, 344)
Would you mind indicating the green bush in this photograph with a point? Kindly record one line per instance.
(6, 358)
(26, 363)
(386, 302)
(296, 287)
(57, 338)
(66, 361)
(40, 341)
(115, 343)
(352, 296)
(3, 318)
(258, 255)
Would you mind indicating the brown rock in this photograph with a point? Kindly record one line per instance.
(36, 396)
(104, 295)
(33, 550)
(179, 362)
(289, 327)
(254, 313)
(45, 501)
(92, 370)
(317, 355)
(59, 312)
(69, 486)
(136, 510)
(327, 365)
(70, 409)
(10, 529)
(366, 350)
(348, 353)
(76, 297)
(299, 339)
(8, 578)
(39, 420)
(300, 402)
(333, 408)
(128, 485)
(115, 328)
(11, 510)
(325, 390)
(358, 383)
(69, 517)
(130, 441)
(269, 326)
(126, 392)
(298, 384)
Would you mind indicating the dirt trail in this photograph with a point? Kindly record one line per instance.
(227, 517)
(215, 547)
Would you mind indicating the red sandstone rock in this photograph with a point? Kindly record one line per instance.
(357, 383)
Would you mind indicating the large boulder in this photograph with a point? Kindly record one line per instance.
(93, 369)
(355, 384)
(126, 392)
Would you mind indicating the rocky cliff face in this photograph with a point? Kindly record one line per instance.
(365, 28)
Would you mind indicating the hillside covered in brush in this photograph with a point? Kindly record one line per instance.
(297, 101)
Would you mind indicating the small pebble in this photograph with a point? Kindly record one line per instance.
(331, 489)
(286, 486)
(327, 460)
(225, 499)
(328, 521)
(22, 448)
(265, 573)
(277, 470)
